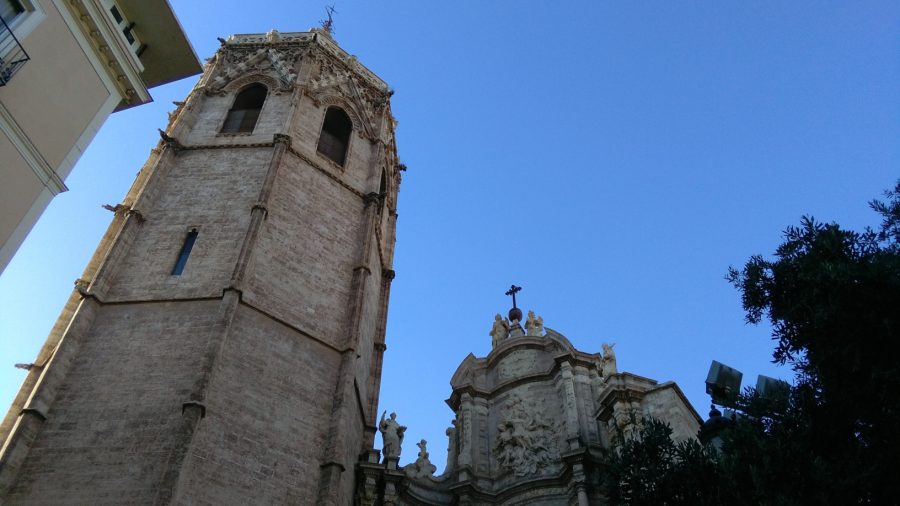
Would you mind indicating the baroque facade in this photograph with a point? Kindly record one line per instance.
(224, 345)
(532, 422)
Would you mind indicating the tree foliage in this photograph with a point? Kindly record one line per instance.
(832, 297)
(653, 470)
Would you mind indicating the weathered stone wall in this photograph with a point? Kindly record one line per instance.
(267, 417)
(667, 403)
(210, 190)
(241, 380)
(110, 430)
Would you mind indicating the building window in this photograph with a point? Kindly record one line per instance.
(185, 252)
(125, 26)
(335, 135)
(9, 9)
(245, 111)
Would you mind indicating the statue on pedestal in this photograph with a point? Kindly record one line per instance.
(608, 362)
(499, 331)
(534, 325)
(391, 436)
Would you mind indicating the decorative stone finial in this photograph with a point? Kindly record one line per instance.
(273, 36)
(422, 467)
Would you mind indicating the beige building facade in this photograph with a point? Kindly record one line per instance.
(65, 66)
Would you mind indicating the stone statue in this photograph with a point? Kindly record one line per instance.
(534, 326)
(608, 362)
(626, 422)
(391, 435)
(422, 467)
(451, 447)
(499, 331)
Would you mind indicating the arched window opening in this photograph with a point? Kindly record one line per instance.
(335, 135)
(245, 111)
(382, 189)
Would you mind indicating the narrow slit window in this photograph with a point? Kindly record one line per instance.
(335, 135)
(245, 111)
(185, 252)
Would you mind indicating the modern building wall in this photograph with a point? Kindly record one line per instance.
(80, 70)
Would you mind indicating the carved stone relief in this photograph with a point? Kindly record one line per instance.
(525, 441)
(278, 63)
(516, 363)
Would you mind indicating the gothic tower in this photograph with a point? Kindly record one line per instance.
(224, 344)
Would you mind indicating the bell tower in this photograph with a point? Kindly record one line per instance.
(224, 345)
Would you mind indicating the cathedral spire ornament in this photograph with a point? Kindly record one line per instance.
(328, 22)
(515, 314)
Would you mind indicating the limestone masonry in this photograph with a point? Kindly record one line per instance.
(224, 344)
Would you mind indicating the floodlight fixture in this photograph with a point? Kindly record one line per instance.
(723, 383)
(771, 388)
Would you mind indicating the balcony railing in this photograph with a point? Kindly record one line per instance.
(12, 54)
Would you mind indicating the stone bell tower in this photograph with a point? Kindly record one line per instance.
(224, 345)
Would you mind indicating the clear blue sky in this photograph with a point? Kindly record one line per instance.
(613, 158)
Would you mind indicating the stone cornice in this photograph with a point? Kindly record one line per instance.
(121, 63)
(321, 38)
(501, 387)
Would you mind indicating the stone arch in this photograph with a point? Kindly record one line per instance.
(333, 100)
(241, 82)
